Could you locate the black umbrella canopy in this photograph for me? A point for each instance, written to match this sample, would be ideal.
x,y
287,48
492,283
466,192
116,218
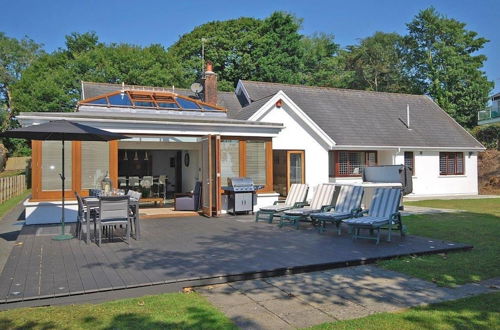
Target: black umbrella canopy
x,y
62,130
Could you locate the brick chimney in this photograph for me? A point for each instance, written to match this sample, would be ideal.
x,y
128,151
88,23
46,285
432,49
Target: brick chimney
x,y
210,84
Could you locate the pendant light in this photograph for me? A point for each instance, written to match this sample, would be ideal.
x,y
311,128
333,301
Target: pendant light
x,y
146,155
125,157
135,156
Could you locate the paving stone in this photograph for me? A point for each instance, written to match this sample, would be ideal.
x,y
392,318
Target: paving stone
x,y
304,318
254,316
282,307
345,311
227,299
268,293
249,285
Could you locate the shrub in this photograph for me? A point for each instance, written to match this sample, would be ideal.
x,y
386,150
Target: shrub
x,y
488,135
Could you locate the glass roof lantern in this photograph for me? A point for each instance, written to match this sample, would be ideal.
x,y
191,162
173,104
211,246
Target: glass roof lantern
x,y
150,100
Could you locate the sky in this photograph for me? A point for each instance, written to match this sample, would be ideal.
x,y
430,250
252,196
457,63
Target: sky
x,y
145,22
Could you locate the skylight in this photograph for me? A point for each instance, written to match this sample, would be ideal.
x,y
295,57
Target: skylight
x,y
150,100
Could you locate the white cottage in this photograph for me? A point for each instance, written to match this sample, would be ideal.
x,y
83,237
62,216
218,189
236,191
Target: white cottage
x,y
276,134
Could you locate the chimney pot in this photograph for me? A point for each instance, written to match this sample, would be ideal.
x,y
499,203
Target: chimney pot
x,y
210,84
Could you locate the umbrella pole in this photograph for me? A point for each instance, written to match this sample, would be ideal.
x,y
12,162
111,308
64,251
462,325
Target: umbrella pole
x,y
62,236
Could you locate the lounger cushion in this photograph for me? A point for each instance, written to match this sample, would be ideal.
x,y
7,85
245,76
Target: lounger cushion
x,y
367,221
331,215
276,208
301,211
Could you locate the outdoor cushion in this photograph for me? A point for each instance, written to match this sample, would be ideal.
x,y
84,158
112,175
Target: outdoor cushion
x,y
301,211
368,220
330,215
276,208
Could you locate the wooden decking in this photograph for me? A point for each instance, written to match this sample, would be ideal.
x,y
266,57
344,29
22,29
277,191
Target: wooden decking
x,y
183,249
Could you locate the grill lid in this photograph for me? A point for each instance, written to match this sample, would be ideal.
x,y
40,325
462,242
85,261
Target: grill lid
x,y
240,182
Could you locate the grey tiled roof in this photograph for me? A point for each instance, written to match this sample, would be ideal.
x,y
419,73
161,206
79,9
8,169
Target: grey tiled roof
x,y
363,118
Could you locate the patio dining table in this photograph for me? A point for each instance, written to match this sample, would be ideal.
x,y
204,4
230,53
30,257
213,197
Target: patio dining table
x,y
92,202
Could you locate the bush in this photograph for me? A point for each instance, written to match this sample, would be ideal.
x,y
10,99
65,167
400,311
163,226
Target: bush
x,y
488,135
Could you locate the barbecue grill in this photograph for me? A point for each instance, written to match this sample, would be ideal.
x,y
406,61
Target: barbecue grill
x,y
241,195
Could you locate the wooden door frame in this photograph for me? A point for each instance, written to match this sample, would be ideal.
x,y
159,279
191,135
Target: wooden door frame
x,y
206,210
288,152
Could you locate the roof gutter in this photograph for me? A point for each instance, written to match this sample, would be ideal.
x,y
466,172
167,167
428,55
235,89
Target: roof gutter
x,y
125,121
398,148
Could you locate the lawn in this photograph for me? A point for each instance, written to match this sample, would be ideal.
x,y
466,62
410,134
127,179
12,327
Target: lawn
x,y
479,226
165,311
479,312
10,203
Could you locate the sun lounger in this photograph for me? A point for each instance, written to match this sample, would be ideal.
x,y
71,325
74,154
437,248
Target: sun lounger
x,y
383,214
295,198
322,198
348,204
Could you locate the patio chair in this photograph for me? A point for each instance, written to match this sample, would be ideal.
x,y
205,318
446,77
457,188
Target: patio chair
x,y
322,198
113,211
295,198
348,204
160,186
146,184
383,214
82,219
134,213
133,182
188,201
122,182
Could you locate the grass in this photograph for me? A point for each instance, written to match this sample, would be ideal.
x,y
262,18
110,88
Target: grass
x,y
165,311
479,226
479,312
6,206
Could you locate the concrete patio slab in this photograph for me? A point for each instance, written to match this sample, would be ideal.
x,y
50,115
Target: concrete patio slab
x,y
370,290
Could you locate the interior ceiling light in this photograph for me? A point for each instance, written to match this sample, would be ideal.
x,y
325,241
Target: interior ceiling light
x,y
125,157
146,155
135,156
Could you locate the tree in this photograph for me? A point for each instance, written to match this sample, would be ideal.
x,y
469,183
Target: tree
x,y
377,63
15,57
53,82
323,62
278,53
442,59
229,45
244,48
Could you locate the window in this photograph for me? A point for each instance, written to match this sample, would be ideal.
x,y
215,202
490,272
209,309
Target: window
x,y
410,161
256,161
451,163
95,163
351,163
230,159
52,165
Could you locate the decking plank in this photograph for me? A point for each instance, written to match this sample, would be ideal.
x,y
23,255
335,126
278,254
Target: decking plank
x,y
17,287
47,288
86,276
111,273
32,284
95,268
71,267
61,286
9,269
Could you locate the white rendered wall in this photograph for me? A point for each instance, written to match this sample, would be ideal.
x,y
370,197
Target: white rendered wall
x,y
427,180
297,137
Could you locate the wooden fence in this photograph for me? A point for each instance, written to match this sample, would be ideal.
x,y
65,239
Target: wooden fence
x,y
12,186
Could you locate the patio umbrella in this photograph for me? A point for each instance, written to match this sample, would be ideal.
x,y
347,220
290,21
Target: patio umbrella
x,y
62,130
